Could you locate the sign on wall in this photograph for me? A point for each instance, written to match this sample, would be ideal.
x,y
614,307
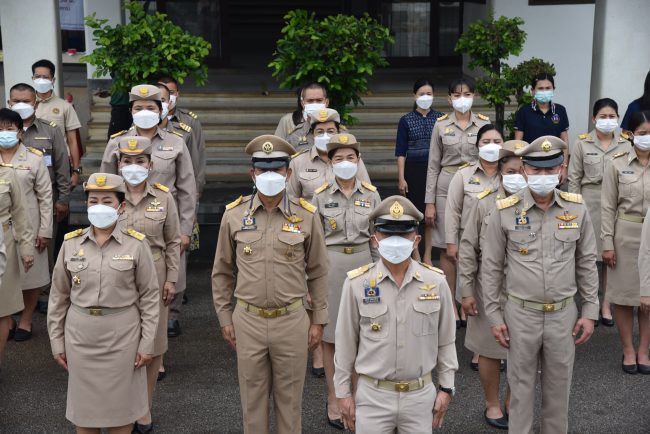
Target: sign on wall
x,y
71,13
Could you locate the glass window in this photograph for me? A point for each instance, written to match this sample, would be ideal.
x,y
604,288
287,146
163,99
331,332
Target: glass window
x,y
410,23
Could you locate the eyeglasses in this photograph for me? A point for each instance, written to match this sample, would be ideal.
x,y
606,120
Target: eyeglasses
x,y
330,131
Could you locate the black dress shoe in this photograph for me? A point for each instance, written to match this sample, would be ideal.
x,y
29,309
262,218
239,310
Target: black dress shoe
x,y
500,423
318,372
463,323
185,299
335,423
629,369
139,428
474,366
173,328
22,335
607,322
161,375
12,330
458,324
642,369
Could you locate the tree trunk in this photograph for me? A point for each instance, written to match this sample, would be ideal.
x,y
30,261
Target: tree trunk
x,y
499,109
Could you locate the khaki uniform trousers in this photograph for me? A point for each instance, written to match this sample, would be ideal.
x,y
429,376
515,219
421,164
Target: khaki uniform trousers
x,y
380,411
271,361
181,285
547,337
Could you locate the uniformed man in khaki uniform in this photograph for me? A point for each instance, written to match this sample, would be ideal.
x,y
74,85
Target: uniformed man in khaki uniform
x,y
294,127
395,326
267,243
548,241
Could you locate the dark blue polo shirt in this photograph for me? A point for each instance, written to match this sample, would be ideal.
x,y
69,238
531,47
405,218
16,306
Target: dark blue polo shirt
x,y
534,123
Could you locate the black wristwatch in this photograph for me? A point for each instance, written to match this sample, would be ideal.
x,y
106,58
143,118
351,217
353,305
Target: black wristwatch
x,y
449,391
78,170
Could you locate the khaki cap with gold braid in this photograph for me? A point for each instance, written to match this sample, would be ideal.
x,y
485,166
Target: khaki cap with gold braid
x,y
343,140
545,151
134,145
144,92
396,214
104,182
324,115
269,151
509,148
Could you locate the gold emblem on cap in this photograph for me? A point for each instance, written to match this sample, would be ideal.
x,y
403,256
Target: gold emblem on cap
x,y
133,144
344,139
396,210
144,91
267,147
322,115
519,145
100,180
546,146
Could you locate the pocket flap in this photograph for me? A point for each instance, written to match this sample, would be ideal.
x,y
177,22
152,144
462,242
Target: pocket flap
x,y
309,175
568,235
426,306
291,238
372,310
121,265
521,237
248,236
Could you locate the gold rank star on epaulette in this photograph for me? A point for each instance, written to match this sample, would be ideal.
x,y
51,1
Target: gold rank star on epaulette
x,y
507,202
118,134
35,151
321,188
583,136
571,197
135,234
432,268
353,274
443,117
184,127
368,186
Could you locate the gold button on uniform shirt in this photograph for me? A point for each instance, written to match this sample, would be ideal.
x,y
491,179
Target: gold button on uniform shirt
x,y
401,334
263,255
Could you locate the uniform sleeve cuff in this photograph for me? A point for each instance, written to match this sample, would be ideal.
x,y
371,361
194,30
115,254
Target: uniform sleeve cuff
x,y
496,319
446,378
608,243
343,391
172,276
146,346
590,311
27,251
319,316
58,346
225,318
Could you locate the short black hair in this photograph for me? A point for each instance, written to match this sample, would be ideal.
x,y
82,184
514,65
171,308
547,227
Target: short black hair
x,y
484,129
331,153
161,85
158,103
542,76
605,102
120,195
460,82
638,118
166,79
338,126
44,63
10,117
139,155
20,87
420,82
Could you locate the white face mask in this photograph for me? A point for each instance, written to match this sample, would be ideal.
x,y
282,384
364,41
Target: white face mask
x,y
134,174
395,249
312,108
165,110
424,101
462,104
146,119
23,109
489,152
102,216
513,182
322,141
606,125
642,142
543,184
172,100
345,169
42,85
270,183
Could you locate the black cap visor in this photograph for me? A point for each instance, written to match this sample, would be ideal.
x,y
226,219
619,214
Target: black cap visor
x,y
544,162
270,163
395,226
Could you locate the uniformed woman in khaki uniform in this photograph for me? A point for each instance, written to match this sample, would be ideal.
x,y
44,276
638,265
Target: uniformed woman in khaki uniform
x,y
344,207
294,127
453,143
103,314
590,153
151,210
478,337
624,206
17,230
36,188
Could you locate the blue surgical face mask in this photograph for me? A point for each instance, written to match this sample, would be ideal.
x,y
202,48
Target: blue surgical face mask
x,y
544,96
8,139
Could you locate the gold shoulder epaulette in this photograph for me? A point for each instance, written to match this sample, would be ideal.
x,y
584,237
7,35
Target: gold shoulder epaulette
x,y
185,127
443,117
6,164
299,153
507,202
432,268
73,234
322,188
177,133
482,117
53,124
484,193
368,186
625,135
35,151
161,187
619,154
234,203
135,234
464,165
307,205
352,274
118,134
193,115
583,136
571,197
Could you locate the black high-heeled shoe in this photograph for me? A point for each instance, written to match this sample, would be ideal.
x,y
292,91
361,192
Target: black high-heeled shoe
x,y
139,428
629,369
500,423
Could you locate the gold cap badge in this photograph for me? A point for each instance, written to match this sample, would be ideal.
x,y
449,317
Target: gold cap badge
x,y
546,146
144,91
396,210
519,145
343,138
267,147
100,180
133,144
322,115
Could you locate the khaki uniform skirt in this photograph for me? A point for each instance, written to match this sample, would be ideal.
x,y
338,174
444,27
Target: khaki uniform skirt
x,y
340,264
160,341
479,338
438,239
11,297
39,275
623,285
591,195
104,389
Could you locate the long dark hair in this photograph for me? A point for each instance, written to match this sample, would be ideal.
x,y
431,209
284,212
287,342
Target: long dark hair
x,y
484,129
540,77
644,101
297,114
637,118
460,82
418,84
605,102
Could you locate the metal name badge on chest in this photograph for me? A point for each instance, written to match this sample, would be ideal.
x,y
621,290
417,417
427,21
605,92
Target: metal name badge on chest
x,y
371,292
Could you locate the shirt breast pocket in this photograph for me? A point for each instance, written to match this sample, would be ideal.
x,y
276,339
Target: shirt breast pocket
x,y
165,162
154,223
593,167
309,176
249,246
565,244
362,219
290,247
425,318
121,265
78,273
374,321
333,220
629,184
522,245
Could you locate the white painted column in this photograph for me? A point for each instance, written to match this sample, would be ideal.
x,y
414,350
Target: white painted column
x,y
620,56
105,9
30,32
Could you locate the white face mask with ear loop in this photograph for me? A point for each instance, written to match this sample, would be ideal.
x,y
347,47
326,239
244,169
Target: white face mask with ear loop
x,y
395,249
270,183
102,216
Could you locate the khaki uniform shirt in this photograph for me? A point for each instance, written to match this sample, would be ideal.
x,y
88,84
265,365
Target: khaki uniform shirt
x,y
644,257
36,188
451,146
13,211
47,138
588,158
118,274
465,188
626,189
3,255
551,254
262,256
309,172
56,109
472,242
156,216
193,136
401,337
297,135
172,167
